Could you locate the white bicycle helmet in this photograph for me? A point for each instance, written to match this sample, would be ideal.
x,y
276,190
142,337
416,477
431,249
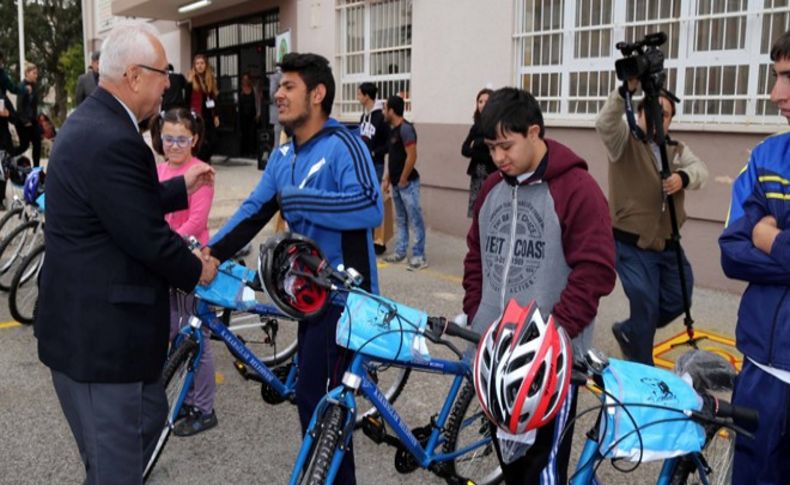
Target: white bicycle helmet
x,y
522,369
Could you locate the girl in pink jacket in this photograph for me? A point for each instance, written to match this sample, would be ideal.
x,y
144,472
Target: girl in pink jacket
x,y
177,135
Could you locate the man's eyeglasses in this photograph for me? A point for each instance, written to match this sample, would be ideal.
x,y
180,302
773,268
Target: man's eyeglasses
x,y
164,72
181,141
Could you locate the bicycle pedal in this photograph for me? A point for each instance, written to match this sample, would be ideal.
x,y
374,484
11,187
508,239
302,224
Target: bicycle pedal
x,y
268,393
373,428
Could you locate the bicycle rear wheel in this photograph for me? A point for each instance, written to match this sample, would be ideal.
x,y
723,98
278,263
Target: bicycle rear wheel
x,y
272,340
174,376
467,425
15,247
329,433
23,295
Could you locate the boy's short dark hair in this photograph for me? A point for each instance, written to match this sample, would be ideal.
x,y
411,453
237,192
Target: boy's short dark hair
x,y
781,48
395,103
314,70
369,89
510,110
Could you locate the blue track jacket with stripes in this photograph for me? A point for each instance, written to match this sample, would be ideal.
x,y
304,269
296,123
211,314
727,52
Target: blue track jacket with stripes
x,y
762,188
326,189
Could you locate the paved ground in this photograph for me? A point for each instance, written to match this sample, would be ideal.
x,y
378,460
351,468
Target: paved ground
x,y
256,442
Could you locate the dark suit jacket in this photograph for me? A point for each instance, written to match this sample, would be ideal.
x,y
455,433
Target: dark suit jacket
x,y
86,84
103,307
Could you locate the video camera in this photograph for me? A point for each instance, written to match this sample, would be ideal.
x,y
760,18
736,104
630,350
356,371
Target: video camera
x,y
643,60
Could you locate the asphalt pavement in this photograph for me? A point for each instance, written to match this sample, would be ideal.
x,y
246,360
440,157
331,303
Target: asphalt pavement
x,y
256,442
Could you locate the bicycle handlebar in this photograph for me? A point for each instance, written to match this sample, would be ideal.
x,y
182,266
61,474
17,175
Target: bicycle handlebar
x,y
724,409
440,325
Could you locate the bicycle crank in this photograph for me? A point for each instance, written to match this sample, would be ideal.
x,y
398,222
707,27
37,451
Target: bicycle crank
x,y
268,393
404,460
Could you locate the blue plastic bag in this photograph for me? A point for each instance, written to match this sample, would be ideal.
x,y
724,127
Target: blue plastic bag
x,y
228,288
632,383
379,327
40,202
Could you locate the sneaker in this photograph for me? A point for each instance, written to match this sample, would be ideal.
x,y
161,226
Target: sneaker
x,y
622,340
394,258
195,423
379,249
184,412
417,263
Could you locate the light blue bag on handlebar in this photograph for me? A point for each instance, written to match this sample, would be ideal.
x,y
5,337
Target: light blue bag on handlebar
x,y
228,288
648,393
377,326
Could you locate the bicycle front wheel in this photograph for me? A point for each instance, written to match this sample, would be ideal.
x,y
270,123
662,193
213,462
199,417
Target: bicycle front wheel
x,y
329,433
466,426
23,295
13,217
178,366
719,453
15,247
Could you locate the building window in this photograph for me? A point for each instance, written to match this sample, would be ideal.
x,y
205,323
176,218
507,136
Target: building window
x,y
373,45
717,54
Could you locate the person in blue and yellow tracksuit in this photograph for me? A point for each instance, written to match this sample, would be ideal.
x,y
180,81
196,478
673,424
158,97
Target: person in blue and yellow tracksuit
x,y
324,183
755,247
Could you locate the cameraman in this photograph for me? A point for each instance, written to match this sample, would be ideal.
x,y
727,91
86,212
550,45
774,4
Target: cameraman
x,y
646,259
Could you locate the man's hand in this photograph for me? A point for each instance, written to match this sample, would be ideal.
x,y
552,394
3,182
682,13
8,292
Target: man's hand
x,y
4,113
197,176
216,122
210,264
633,85
764,234
672,184
403,182
385,185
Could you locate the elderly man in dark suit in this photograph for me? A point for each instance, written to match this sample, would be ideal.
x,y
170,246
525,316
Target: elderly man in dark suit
x,y
88,82
103,316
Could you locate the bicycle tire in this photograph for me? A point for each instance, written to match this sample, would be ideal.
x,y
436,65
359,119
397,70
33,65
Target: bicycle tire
x,y
393,391
719,453
23,294
482,459
174,373
13,217
14,248
330,431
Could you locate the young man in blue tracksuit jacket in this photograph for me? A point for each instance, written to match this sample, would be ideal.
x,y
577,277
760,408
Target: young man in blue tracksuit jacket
x,y
324,183
755,247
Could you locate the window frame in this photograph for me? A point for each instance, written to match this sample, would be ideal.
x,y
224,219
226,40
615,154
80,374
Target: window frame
x,y
687,58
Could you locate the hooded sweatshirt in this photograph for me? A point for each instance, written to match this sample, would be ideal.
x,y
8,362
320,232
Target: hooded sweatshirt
x,y
374,130
548,239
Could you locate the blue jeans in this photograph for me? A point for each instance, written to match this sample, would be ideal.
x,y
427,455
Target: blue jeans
x,y
408,213
652,284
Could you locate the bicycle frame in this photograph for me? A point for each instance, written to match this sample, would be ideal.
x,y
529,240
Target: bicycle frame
x,y
205,316
356,378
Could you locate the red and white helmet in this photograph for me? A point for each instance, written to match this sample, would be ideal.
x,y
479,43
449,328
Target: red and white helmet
x,y
522,369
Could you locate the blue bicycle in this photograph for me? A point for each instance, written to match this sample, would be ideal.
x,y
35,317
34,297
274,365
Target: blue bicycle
x,y
456,445
234,289
646,411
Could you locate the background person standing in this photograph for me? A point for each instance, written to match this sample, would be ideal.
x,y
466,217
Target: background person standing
x,y
201,95
27,115
480,164
404,180
88,82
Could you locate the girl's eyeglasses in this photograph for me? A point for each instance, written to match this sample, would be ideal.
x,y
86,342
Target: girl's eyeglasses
x,y
180,141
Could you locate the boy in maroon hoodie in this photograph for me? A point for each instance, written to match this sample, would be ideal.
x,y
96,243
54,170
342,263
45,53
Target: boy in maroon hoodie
x,y
540,231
